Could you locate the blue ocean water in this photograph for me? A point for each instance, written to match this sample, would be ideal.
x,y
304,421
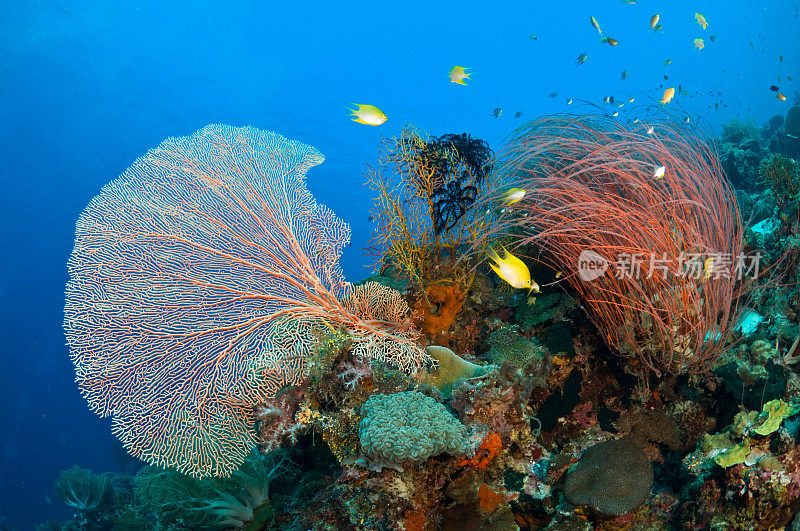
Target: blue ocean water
x,y
86,87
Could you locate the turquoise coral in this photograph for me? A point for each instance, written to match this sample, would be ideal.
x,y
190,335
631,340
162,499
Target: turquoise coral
x,y
409,427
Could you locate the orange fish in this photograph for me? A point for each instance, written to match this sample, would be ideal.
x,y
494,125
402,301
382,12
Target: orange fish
x,y
668,94
780,96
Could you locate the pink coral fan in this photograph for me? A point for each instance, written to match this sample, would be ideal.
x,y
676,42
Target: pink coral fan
x,y
196,281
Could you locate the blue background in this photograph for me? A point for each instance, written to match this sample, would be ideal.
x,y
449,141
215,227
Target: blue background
x,y
86,87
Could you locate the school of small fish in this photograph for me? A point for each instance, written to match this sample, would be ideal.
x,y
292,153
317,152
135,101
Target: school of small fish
x,y
372,115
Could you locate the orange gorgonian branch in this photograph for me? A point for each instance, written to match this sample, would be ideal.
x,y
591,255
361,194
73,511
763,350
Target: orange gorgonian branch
x,y
405,181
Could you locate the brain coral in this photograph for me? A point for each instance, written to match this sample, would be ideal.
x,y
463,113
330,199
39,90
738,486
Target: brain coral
x,y
196,281
409,427
613,477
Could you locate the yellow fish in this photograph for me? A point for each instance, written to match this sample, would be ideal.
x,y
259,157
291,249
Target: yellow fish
x,y
514,195
654,20
513,270
701,20
780,96
668,94
699,44
458,74
368,114
596,25
708,268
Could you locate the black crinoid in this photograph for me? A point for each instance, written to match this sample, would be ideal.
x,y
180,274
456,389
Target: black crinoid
x,y
462,163
451,202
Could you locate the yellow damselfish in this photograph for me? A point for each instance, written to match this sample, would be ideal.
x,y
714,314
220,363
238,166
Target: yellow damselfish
x,y
708,267
595,25
513,270
458,74
368,114
513,195
701,20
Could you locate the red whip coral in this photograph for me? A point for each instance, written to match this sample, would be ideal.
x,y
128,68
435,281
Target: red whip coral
x,y
669,242
196,280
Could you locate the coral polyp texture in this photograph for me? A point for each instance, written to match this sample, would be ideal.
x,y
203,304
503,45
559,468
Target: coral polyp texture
x,y
197,281
409,427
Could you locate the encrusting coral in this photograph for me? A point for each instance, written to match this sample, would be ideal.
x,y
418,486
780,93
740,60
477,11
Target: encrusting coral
x,y
439,307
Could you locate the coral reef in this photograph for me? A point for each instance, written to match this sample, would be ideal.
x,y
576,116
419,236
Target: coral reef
x,y
523,415
426,188
783,177
178,500
787,142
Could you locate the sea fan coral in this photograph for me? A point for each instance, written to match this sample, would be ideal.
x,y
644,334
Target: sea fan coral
x,y
654,257
197,281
